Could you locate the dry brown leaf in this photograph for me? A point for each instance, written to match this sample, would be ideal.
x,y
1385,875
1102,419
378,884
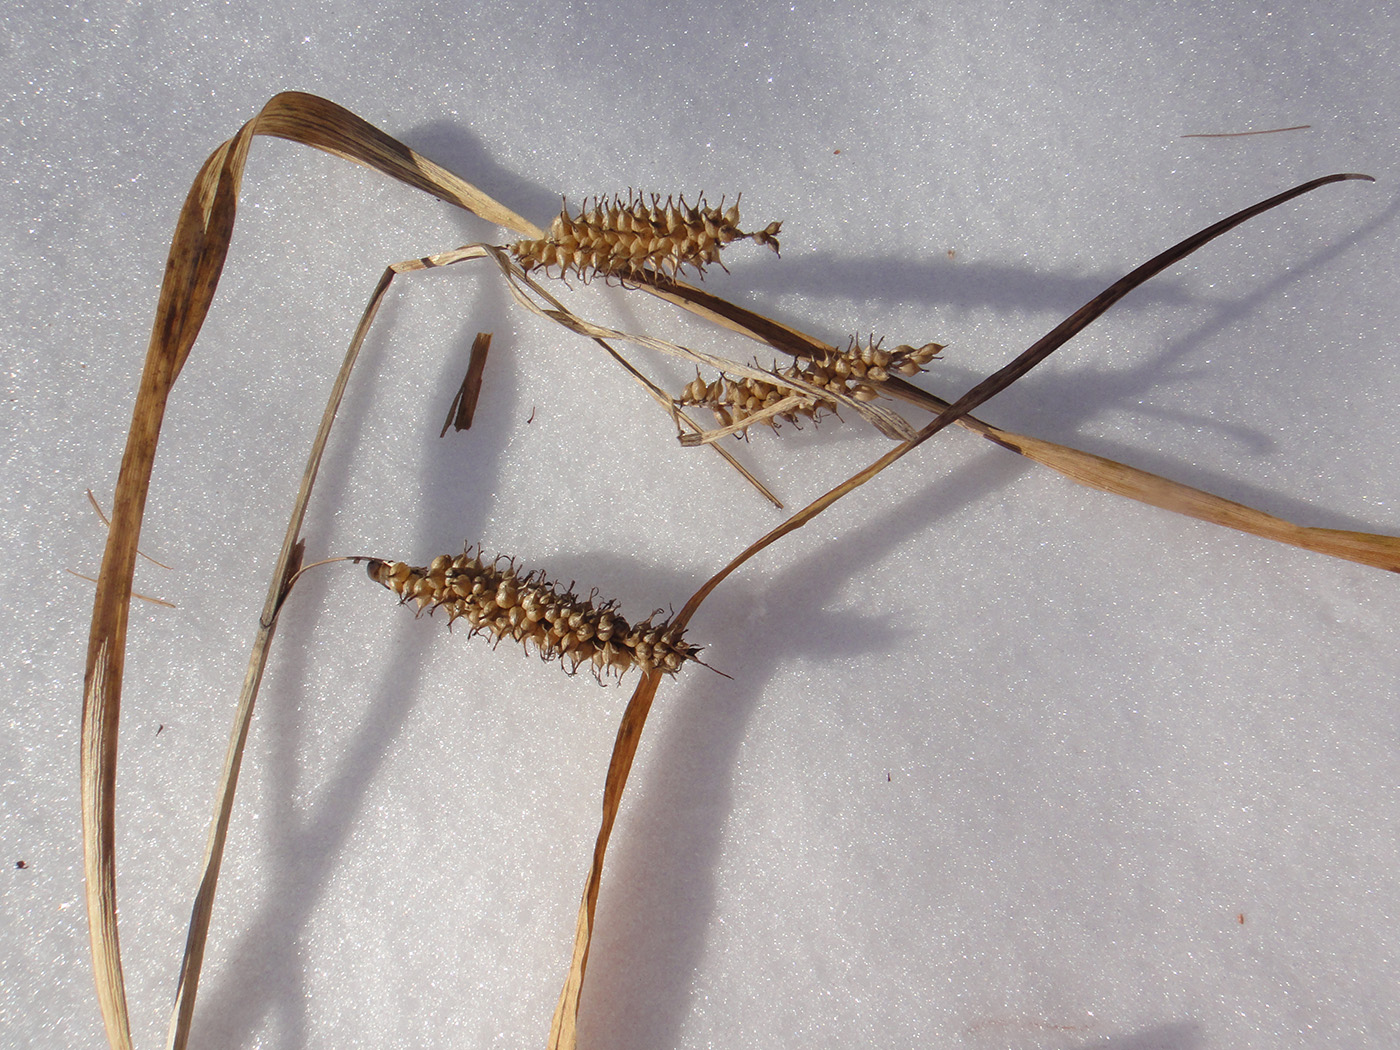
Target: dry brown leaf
x,y
196,259
1120,479
1085,468
563,1032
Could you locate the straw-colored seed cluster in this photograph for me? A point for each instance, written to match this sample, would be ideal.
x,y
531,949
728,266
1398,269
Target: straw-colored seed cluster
x,y
859,365
852,372
496,599
734,401
628,238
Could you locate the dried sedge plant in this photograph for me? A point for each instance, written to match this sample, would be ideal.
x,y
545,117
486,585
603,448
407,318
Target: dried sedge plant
x,y
640,243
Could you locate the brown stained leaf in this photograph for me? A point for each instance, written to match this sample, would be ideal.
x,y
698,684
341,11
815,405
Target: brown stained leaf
x,y
196,259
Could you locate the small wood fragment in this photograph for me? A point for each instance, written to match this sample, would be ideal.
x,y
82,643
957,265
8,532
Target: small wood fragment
x,y
463,409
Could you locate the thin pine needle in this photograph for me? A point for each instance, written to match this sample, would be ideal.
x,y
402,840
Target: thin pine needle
x,y
1246,134
97,508
134,594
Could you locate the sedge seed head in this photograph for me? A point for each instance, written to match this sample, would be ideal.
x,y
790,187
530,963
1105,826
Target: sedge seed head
x,y
855,372
638,237
498,600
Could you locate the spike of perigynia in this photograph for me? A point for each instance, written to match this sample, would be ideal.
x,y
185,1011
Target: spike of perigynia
x,y
496,599
634,238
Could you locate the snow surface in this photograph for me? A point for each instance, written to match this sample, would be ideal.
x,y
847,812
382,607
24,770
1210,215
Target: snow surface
x,y
1003,762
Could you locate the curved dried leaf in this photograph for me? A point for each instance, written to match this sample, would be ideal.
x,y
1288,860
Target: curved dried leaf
x,y
563,1031
196,259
